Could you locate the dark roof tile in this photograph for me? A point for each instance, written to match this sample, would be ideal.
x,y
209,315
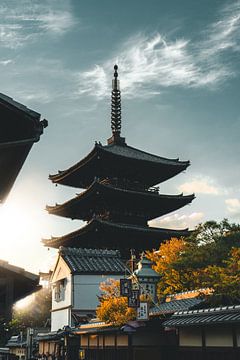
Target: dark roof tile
x,y
93,260
220,315
175,305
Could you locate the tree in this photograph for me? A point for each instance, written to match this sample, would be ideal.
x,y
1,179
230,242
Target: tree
x,y
114,308
36,313
167,255
209,257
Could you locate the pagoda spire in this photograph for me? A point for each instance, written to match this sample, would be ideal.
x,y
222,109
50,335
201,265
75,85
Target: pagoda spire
x,y
116,118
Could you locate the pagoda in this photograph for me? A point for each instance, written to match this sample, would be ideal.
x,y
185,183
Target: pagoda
x,y
120,194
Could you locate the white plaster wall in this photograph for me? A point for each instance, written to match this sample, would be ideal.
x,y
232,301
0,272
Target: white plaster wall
x,y
238,336
59,319
219,336
67,295
86,289
190,336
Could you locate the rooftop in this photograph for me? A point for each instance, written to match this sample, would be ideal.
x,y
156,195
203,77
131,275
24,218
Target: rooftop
x,y
212,316
93,260
4,265
105,234
152,204
20,128
175,305
93,165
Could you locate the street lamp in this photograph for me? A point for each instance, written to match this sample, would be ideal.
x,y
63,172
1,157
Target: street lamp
x,y
147,278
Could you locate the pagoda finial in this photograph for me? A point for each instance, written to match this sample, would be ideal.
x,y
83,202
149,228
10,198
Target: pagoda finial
x,y
116,105
116,120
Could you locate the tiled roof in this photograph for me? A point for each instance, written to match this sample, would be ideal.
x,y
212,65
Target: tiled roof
x,y
53,335
109,234
152,204
17,105
220,315
20,128
175,305
18,271
131,152
148,168
16,341
93,260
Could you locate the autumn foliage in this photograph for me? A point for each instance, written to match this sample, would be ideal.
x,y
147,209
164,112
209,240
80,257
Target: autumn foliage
x,y
209,258
114,308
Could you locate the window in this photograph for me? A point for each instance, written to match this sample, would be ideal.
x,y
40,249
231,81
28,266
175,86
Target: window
x,y
59,290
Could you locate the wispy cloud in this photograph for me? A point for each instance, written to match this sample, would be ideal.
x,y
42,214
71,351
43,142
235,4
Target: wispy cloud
x,y
233,206
150,63
177,221
6,62
201,185
24,21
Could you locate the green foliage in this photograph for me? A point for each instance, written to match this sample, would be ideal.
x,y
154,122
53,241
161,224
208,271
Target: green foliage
x,y
35,314
210,244
208,258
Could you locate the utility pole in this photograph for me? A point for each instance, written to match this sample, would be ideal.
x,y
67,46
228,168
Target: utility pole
x,y
30,332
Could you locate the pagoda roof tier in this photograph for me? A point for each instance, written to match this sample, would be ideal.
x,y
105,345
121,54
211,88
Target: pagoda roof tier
x,y
104,234
109,197
119,161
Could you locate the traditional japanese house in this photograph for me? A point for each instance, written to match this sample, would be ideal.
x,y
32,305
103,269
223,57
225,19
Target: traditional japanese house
x,y
21,127
211,333
75,283
120,195
135,340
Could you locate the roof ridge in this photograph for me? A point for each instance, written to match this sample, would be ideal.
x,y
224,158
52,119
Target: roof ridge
x,y
208,310
176,160
83,252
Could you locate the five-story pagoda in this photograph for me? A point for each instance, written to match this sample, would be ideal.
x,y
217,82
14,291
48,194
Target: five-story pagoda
x,y
120,196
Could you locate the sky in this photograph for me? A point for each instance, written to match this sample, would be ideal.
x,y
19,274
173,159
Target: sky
x,y
179,74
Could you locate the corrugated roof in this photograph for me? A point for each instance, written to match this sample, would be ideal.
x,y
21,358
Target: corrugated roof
x,y
220,315
93,260
175,305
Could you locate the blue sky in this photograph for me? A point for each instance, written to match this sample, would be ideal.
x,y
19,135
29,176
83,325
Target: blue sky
x,y
179,72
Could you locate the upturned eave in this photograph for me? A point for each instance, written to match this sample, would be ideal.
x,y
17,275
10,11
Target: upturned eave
x,y
119,160
152,204
104,234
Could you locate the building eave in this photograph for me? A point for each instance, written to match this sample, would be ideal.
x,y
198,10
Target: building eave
x,y
20,131
98,233
152,203
81,174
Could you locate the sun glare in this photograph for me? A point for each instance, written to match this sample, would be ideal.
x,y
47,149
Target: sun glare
x,y
20,230
23,303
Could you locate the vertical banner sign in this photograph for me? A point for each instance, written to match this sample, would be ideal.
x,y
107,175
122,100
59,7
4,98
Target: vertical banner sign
x,y
125,287
143,311
133,299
